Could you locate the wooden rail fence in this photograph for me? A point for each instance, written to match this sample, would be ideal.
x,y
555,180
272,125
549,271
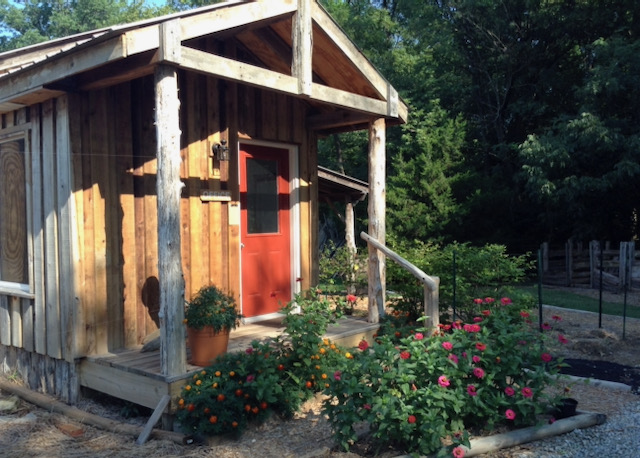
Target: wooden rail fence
x,y
584,265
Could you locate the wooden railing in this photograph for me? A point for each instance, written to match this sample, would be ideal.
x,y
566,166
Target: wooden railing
x,y
431,284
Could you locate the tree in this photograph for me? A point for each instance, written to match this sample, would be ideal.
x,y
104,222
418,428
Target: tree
x,y
30,21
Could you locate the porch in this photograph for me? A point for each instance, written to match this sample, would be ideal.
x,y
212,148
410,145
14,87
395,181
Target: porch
x,y
137,377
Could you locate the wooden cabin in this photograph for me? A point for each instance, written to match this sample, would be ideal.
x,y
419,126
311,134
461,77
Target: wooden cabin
x,y
141,162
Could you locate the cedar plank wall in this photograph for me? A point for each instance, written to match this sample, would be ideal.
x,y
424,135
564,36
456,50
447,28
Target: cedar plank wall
x,y
36,338
116,167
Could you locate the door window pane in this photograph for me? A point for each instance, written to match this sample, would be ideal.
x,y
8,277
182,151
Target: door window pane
x,y
262,196
13,213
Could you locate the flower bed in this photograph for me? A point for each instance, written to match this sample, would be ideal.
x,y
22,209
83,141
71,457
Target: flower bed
x,y
424,391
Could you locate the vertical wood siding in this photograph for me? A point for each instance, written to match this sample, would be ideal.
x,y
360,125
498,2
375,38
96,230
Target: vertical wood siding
x,y
94,206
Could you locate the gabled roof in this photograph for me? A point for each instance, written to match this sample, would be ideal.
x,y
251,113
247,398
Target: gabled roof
x,y
275,51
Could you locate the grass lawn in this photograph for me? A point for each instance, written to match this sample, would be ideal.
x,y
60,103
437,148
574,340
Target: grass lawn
x,y
571,300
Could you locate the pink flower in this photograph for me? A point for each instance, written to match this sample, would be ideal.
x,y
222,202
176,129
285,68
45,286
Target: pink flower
x,y
363,345
405,355
443,381
524,314
509,391
527,392
480,346
546,357
486,312
510,414
411,419
453,358
367,407
546,326
337,375
505,301
556,318
351,298
249,350
447,346
471,390
489,300
477,319
419,336
476,359
478,372
562,339
472,327
457,325
458,452
477,301
250,378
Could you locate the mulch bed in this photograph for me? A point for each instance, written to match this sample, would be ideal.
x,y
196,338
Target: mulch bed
x,y
604,370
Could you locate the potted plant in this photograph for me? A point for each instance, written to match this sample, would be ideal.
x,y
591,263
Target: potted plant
x,y
210,316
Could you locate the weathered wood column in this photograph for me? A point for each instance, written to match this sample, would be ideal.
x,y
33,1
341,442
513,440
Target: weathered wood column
x,y
377,228
172,334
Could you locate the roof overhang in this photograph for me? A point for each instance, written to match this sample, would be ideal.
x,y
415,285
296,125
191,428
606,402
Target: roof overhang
x,y
333,75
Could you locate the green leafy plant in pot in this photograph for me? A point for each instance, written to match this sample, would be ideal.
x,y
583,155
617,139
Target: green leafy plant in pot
x,y
210,316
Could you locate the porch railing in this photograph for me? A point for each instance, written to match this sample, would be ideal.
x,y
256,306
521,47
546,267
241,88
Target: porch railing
x,y
431,284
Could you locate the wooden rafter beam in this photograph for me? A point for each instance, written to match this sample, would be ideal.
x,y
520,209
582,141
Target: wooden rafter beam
x,y
252,75
302,38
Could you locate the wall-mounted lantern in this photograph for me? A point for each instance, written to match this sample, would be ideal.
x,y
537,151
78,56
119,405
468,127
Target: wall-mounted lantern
x,y
221,151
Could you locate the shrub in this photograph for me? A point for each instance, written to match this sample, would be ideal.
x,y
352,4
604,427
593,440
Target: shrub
x,y
212,307
416,390
277,376
341,270
480,272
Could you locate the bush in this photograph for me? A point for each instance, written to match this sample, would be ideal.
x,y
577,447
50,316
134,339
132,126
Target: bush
x,y
277,376
416,390
480,272
341,270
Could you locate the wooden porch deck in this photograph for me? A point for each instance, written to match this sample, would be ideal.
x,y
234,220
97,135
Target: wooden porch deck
x,y
136,377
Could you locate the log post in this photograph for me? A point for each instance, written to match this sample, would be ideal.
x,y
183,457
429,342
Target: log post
x,y
302,38
350,240
377,206
172,333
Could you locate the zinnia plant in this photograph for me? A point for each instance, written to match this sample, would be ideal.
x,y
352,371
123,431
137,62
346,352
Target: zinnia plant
x,y
417,394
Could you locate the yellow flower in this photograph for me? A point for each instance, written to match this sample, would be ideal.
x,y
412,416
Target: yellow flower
x,y
217,374
215,385
232,374
323,351
348,355
325,341
324,376
187,388
199,382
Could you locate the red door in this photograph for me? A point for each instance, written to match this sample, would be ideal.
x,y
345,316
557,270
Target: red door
x,y
265,229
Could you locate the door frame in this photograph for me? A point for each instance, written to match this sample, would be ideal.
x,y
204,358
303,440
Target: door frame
x,y
294,220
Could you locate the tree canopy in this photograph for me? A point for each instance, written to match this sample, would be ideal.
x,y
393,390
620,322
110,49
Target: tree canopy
x,y
523,121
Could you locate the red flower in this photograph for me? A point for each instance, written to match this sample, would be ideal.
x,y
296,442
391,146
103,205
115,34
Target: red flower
x,y
556,318
363,345
489,300
419,336
480,346
546,326
458,452
367,407
486,312
337,375
546,357
351,298
477,319
527,392
505,301
510,414
509,391
524,314
405,355
475,359
477,301
411,419
562,339
471,390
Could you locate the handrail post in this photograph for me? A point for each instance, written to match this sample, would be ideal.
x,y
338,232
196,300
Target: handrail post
x,y
432,305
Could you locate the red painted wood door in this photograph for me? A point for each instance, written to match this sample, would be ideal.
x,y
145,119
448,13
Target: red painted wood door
x,y
265,229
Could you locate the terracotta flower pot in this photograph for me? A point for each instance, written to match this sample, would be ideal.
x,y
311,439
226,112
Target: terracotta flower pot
x,y
206,344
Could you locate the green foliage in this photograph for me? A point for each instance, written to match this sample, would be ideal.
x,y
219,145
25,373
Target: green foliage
x,y
212,307
416,390
34,21
480,271
277,376
341,269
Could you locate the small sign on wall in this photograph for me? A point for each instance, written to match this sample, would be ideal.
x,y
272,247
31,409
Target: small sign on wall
x,y
234,214
215,196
